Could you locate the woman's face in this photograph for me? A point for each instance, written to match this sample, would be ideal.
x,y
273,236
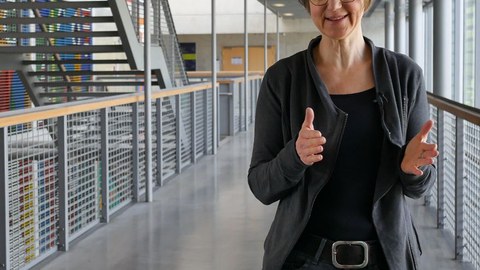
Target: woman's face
x,y
338,20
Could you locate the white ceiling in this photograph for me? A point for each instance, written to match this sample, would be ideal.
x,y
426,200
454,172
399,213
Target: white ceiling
x,y
290,6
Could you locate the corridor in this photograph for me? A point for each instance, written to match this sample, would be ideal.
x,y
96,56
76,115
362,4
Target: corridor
x,y
207,219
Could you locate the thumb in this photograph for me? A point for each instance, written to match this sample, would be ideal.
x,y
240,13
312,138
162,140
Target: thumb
x,y
425,130
309,116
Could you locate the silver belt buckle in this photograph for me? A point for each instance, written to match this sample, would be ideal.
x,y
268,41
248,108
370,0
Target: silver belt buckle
x,y
350,243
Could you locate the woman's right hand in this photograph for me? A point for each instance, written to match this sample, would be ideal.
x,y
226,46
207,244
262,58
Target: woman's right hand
x,y
309,144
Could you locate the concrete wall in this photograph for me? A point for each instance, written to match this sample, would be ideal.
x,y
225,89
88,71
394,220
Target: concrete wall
x,y
194,16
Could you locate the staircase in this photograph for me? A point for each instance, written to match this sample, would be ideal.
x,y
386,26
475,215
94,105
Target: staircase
x,y
58,62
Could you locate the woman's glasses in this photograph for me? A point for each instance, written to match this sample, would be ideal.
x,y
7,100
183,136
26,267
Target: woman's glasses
x,y
324,2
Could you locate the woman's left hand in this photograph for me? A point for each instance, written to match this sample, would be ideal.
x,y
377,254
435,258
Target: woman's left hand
x,y
419,153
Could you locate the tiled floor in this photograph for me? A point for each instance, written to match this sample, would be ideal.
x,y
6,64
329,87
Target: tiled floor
x,y
206,219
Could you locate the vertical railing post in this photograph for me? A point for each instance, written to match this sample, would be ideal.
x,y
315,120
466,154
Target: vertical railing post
x,y
105,166
441,216
178,135
459,190
193,122
159,143
136,152
250,103
231,107
241,105
205,119
4,224
253,97
63,228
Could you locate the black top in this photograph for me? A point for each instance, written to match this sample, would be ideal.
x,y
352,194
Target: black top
x,y
343,209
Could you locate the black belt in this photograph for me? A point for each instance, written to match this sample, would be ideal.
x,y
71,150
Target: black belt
x,y
342,254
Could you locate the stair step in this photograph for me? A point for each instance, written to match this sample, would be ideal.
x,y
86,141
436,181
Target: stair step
x,y
90,83
58,34
51,5
87,72
76,61
53,20
62,49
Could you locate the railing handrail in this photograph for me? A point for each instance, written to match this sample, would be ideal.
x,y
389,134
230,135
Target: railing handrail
x,y
50,111
460,110
222,74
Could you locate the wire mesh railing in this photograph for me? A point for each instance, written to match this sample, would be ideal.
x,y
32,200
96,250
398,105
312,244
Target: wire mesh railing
x,y
69,168
456,195
31,185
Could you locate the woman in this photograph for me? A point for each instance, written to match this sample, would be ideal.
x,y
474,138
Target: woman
x,y
340,140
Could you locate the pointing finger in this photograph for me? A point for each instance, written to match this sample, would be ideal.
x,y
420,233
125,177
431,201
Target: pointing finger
x,y
427,127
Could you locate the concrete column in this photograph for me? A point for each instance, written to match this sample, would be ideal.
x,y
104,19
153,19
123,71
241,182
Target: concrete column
x,y
416,26
477,55
214,80
442,48
389,26
265,35
246,83
459,51
148,103
278,36
400,26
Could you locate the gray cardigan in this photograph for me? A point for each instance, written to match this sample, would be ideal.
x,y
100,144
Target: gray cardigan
x,y
277,174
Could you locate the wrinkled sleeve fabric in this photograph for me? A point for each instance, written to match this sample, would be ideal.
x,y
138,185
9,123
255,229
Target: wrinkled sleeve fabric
x,y
275,167
417,186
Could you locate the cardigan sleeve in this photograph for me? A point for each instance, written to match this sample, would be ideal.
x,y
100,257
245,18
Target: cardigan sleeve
x,y
417,186
275,167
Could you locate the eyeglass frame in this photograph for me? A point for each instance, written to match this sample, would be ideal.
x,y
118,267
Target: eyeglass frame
x,y
326,2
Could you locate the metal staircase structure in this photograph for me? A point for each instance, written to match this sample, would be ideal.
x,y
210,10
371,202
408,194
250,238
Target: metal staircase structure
x,y
47,57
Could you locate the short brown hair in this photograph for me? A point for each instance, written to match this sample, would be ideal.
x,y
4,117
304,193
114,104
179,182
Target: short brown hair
x,y
306,4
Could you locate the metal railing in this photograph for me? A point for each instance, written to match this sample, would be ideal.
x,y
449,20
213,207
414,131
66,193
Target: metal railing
x,y
163,34
67,168
456,194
